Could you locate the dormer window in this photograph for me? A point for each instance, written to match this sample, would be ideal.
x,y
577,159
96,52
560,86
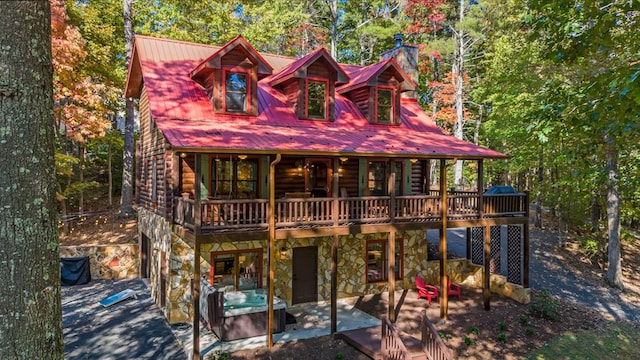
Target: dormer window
x,y
236,90
384,105
317,94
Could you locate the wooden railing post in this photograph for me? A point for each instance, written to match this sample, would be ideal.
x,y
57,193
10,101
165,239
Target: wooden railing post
x,y
334,248
195,297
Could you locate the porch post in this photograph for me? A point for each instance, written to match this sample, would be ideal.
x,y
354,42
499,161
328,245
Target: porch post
x,y
195,298
444,209
486,290
426,176
272,246
391,243
334,249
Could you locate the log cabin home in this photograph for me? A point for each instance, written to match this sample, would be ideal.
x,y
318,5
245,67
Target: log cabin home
x,y
303,176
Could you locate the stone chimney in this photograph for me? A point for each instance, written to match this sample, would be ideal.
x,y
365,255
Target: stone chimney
x,y
407,57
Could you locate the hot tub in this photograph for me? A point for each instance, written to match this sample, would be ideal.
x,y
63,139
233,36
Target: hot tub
x,y
239,314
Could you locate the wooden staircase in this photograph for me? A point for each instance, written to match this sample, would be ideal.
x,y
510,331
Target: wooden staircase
x,y
385,342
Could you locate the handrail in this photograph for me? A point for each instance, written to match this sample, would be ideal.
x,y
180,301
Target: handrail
x,y
391,345
432,344
238,214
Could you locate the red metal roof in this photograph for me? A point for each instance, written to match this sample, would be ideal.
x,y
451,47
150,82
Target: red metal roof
x,y
298,64
181,109
361,75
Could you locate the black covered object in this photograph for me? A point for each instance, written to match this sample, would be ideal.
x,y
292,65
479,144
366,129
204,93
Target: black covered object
x,y
75,271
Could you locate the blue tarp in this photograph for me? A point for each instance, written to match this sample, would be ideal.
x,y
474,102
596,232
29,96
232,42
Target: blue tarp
x,y
75,271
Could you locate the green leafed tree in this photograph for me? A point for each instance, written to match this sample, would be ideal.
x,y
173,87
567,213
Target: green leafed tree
x,y
30,315
597,42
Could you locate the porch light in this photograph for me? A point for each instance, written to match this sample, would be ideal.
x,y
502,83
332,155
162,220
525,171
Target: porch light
x,y
344,159
242,157
300,168
283,252
183,155
413,161
340,171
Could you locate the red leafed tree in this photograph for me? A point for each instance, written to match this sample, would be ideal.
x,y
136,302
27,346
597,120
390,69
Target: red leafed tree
x,y
443,94
79,106
420,10
79,102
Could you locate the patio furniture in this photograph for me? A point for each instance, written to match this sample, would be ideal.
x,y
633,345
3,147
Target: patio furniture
x,y
426,291
453,289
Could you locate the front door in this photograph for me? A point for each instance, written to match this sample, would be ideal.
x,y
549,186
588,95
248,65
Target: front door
x,y
305,275
318,181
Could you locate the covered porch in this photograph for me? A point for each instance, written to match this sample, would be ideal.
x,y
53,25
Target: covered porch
x,y
205,221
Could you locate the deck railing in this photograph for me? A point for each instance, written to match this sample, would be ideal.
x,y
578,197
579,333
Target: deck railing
x,y
238,214
432,344
391,345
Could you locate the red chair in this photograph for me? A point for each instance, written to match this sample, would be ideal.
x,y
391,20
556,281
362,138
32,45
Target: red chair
x,y
453,289
426,291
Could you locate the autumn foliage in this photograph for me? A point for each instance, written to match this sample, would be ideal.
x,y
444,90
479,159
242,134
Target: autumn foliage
x,y
419,10
79,107
443,97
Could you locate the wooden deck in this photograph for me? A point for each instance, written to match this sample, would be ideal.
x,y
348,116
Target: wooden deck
x,y
367,341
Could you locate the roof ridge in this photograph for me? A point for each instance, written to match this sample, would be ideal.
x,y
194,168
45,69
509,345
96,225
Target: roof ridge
x,y
176,41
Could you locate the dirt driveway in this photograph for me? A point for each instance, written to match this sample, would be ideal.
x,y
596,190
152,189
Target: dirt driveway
x,y
131,329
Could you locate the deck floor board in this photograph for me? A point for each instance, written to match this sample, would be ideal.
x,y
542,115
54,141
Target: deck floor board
x,y
367,341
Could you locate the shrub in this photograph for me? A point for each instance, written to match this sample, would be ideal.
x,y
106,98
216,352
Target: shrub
x,y
591,247
502,325
468,341
475,331
219,355
339,356
502,337
524,320
529,331
544,305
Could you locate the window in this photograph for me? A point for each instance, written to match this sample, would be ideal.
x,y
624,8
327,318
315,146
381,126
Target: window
x,y
154,181
384,109
234,178
240,269
316,99
236,91
378,177
377,260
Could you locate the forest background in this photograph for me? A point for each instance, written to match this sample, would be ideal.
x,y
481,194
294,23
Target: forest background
x,y
554,84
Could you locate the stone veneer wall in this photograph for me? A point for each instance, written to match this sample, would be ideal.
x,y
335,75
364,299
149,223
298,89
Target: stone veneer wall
x,y
108,261
464,272
178,262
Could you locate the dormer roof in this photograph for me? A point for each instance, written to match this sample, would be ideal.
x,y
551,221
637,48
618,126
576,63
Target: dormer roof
x,y
368,76
298,68
214,61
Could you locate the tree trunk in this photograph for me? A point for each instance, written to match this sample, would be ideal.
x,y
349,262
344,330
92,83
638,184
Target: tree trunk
x,y
126,199
30,314
334,28
459,87
81,177
538,219
614,269
110,171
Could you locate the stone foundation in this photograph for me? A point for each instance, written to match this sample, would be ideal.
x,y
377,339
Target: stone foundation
x,y
108,261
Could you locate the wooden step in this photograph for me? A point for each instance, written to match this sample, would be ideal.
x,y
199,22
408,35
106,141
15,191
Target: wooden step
x,y
367,341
